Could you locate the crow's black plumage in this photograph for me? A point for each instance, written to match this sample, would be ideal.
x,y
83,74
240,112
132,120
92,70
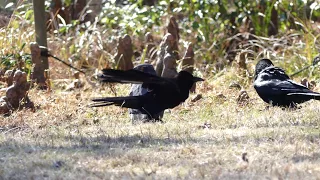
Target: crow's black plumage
x,y
164,93
274,86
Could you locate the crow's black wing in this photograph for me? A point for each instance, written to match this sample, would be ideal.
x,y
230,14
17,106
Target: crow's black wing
x,y
300,90
129,76
137,77
275,81
291,87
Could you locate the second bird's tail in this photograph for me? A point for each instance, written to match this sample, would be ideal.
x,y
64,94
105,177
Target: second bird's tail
x,y
311,95
133,102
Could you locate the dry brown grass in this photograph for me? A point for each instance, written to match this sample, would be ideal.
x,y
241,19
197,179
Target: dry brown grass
x,y
65,139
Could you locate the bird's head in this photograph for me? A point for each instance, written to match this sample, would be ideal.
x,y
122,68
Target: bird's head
x,y
262,64
187,79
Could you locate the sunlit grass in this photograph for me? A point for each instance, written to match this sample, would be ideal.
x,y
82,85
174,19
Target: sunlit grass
x,y
65,138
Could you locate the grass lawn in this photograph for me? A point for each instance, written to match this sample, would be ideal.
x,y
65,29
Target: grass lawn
x,y
65,139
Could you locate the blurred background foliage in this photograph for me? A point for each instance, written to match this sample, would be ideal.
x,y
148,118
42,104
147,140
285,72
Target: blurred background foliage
x,y
86,34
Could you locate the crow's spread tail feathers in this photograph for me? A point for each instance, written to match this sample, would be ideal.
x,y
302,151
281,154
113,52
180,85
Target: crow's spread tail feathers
x,y
133,102
129,76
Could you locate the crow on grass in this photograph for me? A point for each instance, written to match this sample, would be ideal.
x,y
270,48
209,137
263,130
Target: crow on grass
x,y
164,93
275,87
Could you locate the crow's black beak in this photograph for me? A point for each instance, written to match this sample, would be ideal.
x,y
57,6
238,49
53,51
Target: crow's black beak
x,y
196,79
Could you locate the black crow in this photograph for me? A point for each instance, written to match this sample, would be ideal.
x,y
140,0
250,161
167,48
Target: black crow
x,y
275,87
164,93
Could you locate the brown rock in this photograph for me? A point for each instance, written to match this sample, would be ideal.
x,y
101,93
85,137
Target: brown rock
x,y
169,66
4,108
166,62
123,58
16,94
76,75
8,77
188,63
206,125
169,52
221,96
235,85
151,51
243,97
75,84
310,85
173,29
196,98
188,59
